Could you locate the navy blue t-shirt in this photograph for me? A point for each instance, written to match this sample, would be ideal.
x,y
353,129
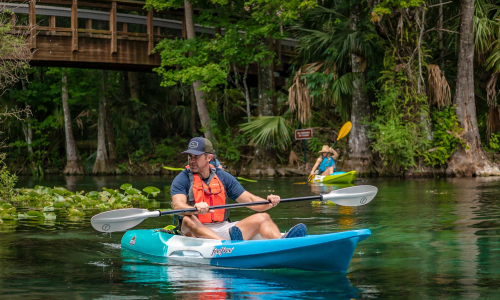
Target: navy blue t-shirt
x,y
233,188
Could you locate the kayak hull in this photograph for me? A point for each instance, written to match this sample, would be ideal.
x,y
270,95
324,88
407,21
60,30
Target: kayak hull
x,y
345,177
325,252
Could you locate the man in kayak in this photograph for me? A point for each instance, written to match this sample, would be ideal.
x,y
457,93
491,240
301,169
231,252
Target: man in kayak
x,y
325,164
202,186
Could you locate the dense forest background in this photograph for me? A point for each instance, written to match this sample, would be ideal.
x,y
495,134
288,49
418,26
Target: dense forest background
x,y
418,80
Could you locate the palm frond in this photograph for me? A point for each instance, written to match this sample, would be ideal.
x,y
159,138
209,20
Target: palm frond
x,y
268,130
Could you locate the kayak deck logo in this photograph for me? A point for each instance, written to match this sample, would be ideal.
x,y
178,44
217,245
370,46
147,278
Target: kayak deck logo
x,y
221,251
132,241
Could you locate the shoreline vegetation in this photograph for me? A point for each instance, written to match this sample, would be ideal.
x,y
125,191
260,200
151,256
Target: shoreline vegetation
x,y
417,80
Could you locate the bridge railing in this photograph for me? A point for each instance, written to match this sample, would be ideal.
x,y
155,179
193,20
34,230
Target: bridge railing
x,y
77,19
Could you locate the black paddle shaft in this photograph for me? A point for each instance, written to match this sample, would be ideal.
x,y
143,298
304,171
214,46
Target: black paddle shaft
x,y
235,205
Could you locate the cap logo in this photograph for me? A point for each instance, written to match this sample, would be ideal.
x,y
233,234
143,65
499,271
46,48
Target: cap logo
x,y
193,144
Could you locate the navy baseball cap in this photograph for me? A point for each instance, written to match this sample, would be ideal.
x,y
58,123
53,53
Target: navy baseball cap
x,y
199,145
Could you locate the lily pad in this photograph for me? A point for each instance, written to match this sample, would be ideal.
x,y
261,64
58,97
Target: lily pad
x,y
6,217
132,191
151,190
33,214
34,194
74,212
111,191
48,208
49,216
125,186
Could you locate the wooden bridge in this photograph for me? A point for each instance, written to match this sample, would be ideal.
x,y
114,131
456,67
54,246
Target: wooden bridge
x,y
104,34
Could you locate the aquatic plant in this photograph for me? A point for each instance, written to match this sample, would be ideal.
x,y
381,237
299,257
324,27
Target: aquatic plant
x,y
46,203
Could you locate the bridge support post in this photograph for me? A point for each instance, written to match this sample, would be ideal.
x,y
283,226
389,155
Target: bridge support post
x,y
32,23
74,25
112,27
88,26
52,24
151,34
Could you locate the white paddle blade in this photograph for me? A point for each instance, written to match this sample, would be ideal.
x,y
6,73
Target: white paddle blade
x,y
121,219
352,196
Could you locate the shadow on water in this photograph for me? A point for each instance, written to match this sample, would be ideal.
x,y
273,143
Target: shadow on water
x,y
207,282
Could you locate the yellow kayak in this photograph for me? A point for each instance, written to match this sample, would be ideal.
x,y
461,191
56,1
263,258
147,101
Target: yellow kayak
x,y
336,177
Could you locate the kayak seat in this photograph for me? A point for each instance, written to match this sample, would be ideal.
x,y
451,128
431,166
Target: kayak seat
x,y
298,230
235,234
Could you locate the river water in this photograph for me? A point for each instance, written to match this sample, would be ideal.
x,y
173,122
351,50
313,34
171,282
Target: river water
x,y
431,239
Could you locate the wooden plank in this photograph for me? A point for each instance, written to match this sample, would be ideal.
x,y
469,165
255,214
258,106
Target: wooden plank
x,y
125,27
32,24
52,24
88,26
112,27
54,30
151,37
95,31
74,25
93,51
121,5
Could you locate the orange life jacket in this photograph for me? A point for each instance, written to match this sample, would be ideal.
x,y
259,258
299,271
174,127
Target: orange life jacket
x,y
213,194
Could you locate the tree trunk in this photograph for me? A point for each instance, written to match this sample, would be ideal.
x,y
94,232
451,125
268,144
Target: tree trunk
x,y
200,95
265,85
133,85
193,112
28,131
469,160
264,157
110,137
101,165
73,163
440,35
359,157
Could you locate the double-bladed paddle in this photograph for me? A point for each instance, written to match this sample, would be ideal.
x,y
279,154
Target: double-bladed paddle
x,y
123,219
182,169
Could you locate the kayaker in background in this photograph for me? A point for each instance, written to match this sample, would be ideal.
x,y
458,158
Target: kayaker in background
x,y
325,164
201,186
215,162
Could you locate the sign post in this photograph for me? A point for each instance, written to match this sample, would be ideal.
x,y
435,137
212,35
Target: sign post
x,y
303,134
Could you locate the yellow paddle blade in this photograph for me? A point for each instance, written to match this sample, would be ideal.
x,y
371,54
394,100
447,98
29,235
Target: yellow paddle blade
x,y
174,169
344,130
310,178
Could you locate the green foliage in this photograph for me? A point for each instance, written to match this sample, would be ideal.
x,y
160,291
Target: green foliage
x,y
7,183
268,130
446,136
199,65
43,201
228,145
388,6
398,131
495,142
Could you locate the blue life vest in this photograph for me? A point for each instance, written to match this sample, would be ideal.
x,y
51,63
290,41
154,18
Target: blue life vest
x,y
327,163
215,162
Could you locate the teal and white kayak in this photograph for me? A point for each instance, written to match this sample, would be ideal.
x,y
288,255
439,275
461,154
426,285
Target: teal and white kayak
x,y
322,252
336,177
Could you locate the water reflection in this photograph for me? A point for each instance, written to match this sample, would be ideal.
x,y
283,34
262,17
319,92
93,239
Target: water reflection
x,y
204,282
